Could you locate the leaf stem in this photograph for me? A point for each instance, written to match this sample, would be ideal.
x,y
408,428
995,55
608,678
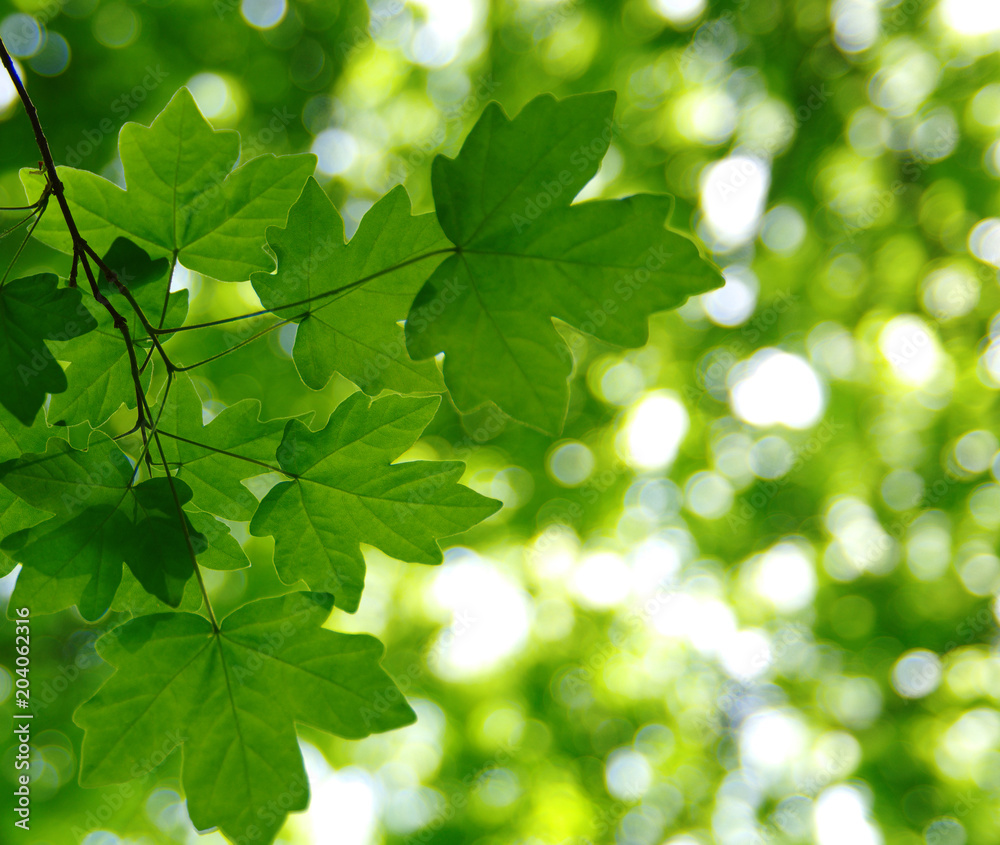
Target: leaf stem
x,y
19,223
183,519
228,454
20,249
320,296
112,277
240,345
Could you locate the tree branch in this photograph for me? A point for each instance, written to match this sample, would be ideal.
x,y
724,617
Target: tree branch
x,y
81,248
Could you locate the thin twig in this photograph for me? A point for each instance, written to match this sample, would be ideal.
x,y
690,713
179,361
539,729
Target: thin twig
x,y
112,277
19,223
20,249
83,253
80,245
184,525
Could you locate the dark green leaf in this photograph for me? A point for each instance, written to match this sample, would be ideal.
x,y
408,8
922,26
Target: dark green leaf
x,y
32,311
100,521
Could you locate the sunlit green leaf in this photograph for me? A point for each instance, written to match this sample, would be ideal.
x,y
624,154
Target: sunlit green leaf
x,y
354,332
345,491
231,698
183,197
527,255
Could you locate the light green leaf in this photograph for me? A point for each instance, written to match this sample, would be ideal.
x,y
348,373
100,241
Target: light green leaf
x,y
183,197
32,311
511,168
528,256
356,332
217,547
15,439
346,491
231,698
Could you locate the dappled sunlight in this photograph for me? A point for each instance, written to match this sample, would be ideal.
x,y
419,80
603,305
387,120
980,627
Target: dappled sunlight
x,y
970,17
776,388
653,432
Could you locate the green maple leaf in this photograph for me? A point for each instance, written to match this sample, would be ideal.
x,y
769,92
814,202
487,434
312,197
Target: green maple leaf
x,y
346,491
215,459
34,310
485,281
183,196
356,332
216,547
231,698
526,255
100,521
131,598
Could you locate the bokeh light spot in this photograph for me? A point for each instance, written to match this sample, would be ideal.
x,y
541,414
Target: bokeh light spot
x,y
776,388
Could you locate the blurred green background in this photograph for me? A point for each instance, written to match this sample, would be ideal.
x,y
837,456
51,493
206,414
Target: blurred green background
x,y
749,597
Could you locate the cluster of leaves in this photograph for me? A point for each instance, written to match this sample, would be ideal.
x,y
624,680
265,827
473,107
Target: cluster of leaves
x,y
103,518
